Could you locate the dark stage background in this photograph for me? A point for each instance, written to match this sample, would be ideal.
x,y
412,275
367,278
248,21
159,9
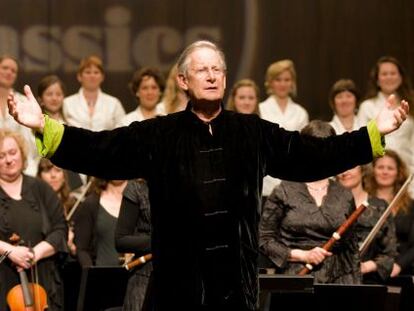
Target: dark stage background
x,y
327,39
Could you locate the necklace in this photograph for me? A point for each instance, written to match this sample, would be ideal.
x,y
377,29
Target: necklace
x,y
318,188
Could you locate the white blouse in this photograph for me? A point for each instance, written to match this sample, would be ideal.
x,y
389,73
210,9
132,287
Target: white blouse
x,y
136,115
294,118
107,115
339,127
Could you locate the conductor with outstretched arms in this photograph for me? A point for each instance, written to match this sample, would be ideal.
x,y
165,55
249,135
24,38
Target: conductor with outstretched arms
x,y
204,168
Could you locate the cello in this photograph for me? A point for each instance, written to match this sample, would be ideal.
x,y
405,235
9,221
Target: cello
x,y
26,296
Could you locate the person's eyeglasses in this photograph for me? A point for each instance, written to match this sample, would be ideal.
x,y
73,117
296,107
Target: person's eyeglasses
x,y
205,71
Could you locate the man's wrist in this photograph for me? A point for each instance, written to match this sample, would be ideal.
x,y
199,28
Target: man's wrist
x,y
377,140
42,124
49,140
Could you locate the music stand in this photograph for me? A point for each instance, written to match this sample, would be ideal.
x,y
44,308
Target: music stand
x,y
284,290
102,288
282,283
359,297
406,282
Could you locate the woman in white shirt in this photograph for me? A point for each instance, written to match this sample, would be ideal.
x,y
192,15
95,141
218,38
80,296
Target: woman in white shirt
x,y
147,86
91,108
389,77
343,99
279,107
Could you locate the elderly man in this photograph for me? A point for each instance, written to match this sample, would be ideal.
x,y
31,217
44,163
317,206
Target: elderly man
x,y
204,168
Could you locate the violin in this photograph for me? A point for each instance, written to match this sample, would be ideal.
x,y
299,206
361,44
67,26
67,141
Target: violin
x,y
370,237
26,296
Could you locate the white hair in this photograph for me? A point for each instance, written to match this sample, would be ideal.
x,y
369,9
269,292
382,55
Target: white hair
x,y
184,59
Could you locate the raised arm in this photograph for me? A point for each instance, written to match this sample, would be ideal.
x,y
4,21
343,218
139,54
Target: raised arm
x,y
28,112
123,153
291,156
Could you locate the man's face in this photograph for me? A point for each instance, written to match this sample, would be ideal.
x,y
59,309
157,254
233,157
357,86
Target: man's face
x,y
205,79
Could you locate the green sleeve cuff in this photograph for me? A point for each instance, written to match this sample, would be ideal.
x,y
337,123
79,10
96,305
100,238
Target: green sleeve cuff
x,y
377,140
48,142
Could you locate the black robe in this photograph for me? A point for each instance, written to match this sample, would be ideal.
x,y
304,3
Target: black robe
x,y
205,193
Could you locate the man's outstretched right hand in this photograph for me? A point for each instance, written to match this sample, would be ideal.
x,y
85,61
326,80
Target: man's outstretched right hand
x,y
26,112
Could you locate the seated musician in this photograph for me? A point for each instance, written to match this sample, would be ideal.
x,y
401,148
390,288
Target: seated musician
x,y
299,218
95,222
388,175
378,259
29,210
133,235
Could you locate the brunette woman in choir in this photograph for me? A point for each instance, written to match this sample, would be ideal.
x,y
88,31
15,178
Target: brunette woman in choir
x,y
377,262
133,235
90,107
344,100
388,76
147,85
58,180
244,97
95,222
50,93
29,208
388,175
298,218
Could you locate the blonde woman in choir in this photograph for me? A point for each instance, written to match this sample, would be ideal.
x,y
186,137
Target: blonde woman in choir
x,y
344,99
174,98
8,74
244,97
90,107
279,107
